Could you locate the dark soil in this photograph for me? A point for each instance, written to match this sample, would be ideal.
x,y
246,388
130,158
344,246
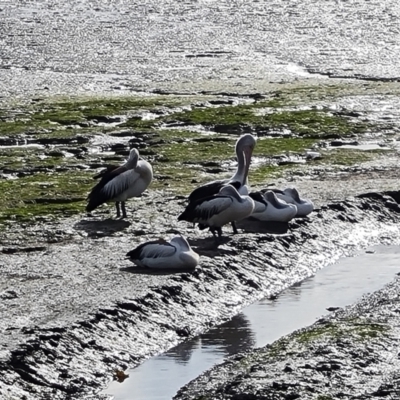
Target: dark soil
x,y
75,311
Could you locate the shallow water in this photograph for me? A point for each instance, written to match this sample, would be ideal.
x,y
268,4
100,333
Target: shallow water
x,y
338,285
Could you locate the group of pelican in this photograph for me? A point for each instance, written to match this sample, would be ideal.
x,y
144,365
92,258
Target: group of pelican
x,y
212,205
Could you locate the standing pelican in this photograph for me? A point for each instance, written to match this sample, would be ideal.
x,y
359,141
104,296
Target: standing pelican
x,y
217,210
292,196
244,149
120,184
176,253
269,208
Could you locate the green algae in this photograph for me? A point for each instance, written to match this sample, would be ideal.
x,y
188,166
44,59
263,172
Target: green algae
x,y
355,328
276,146
346,157
182,159
309,123
58,194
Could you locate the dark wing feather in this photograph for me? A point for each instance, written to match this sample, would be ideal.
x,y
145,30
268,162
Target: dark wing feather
x,y
106,170
97,197
211,189
202,210
277,191
257,196
152,249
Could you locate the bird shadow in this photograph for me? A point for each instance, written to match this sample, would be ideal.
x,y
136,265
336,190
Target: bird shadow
x,y
253,225
154,271
96,228
210,247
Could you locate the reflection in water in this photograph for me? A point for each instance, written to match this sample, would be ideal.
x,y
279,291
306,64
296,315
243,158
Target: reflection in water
x,y
182,353
233,336
229,338
159,378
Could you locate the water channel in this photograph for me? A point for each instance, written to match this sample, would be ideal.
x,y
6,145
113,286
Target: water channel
x,y
338,285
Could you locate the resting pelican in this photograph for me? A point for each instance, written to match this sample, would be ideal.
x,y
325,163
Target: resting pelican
x,y
217,210
244,149
121,183
176,253
292,196
269,208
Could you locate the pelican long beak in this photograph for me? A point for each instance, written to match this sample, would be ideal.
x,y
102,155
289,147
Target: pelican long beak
x,y
247,151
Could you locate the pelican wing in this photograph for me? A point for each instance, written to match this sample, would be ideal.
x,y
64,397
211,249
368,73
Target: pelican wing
x,y
108,187
209,189
106,176
212,188
120,184
203,210
258,196
107,170
153,249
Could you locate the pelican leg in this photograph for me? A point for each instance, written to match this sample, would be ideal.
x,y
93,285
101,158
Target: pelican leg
x,y
123,209
118,210
235,231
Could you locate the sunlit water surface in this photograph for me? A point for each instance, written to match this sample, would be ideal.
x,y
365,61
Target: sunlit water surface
x,y
338,285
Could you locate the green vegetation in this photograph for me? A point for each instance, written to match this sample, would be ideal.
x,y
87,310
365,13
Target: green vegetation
x,y
358,329
276,146
59,194
182,159
342,157
43,116
308,123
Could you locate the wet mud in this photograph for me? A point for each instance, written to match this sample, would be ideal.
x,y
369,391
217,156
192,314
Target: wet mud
x,y
350,354
220,46
74,313
58,343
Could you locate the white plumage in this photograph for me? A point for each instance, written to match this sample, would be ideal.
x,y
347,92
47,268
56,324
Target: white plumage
x,y
244,150
218,210
292,196
269,208
119,184
161,254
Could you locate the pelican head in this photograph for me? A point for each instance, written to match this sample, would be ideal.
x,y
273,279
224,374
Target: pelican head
x,y
244,150
133,158
293,193
181,241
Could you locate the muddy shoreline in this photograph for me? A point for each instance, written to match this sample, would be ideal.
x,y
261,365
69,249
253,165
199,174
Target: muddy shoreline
x,y
350,354
69,345
73,311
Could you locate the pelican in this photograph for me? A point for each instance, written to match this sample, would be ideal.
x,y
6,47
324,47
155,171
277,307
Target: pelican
x,y
176,253
269,208
217,210
292,196
244,149
121,183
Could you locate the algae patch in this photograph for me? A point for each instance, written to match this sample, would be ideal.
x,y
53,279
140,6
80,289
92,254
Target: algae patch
x,y
64,131
59,194
355,329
